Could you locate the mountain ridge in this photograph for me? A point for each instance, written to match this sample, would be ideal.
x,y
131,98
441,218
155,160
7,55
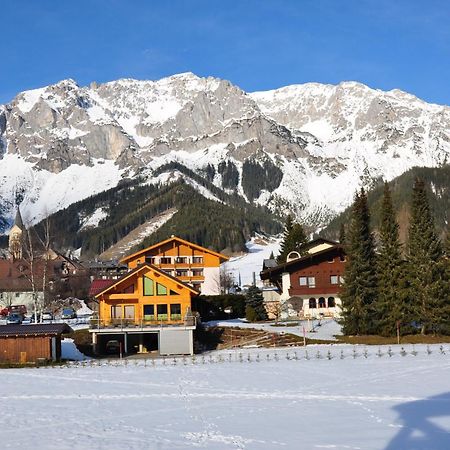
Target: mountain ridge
x,y
62,143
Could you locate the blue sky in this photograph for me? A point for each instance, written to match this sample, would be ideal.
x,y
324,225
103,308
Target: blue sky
x,y
256,44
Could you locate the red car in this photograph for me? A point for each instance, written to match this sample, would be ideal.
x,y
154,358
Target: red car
x,y
16,309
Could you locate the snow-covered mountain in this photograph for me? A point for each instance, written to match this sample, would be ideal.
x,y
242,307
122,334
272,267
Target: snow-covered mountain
x,y
302,148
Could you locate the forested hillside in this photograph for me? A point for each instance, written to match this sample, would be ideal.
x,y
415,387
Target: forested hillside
x,y
437,182
223,222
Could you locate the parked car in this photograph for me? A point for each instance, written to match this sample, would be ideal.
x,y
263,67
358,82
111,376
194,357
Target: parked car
x,y
113,346
47,316
68,313
14,318
18,309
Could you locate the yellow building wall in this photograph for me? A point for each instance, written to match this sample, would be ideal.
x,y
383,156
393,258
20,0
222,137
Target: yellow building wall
x,y
137,299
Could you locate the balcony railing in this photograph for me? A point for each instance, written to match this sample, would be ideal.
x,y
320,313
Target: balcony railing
x,y
130,324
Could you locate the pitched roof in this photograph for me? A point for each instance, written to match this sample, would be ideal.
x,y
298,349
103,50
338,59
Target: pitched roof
x,y
15,276
99,286
34,329
140,268
173,238
304,260
18,221
317,241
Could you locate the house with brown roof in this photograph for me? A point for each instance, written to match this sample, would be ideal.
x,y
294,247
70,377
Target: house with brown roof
x,y
310,285
188,262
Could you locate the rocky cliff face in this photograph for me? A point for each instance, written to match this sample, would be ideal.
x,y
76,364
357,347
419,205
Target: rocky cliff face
x,y
64,142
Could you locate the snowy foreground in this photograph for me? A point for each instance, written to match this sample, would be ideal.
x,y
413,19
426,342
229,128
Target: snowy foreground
x,y
277,400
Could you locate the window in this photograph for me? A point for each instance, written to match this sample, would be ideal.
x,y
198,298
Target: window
x,y
342,258
307,281
165,260
181,273
197,272
149,312
150,260
175,311
322,303
330,259
116,312
129,312
331,302
334,279
312,303
173,293
162,312
149,288
197,259
181,260
341,279
17,294
160,289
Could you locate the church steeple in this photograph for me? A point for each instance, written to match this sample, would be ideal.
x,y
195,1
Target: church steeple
x,y
15,237
18,221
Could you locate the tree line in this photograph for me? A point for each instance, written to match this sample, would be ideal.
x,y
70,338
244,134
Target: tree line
x,y
390,287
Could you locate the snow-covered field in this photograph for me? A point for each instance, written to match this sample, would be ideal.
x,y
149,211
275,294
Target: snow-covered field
x,y
373,402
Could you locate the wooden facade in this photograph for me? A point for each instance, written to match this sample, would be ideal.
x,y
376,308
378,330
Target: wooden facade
x,y
145,296
327,269
189,262
30,343
310,285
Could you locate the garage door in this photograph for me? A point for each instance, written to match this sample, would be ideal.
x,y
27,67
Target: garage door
x,y
175,342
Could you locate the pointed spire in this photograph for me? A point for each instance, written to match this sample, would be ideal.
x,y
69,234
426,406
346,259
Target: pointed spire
x,y
18,221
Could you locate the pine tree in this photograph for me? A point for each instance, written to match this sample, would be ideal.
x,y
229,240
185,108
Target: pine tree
x,y
424,255
360,289
342,234
285,242
254,305
392,304
294,238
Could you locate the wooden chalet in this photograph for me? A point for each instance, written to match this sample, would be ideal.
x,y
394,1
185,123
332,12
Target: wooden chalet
x,y
184,260
310,285
146,310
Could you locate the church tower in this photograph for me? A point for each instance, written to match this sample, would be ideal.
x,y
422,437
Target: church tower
x,y
15,237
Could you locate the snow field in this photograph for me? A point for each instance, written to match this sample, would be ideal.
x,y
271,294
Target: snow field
x,y
362,402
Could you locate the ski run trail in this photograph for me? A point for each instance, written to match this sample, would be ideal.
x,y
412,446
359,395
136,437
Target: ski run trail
x,y
324,397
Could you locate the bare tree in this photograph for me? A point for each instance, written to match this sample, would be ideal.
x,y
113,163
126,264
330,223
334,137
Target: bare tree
x,y
37,254
226,280
30,257
45,241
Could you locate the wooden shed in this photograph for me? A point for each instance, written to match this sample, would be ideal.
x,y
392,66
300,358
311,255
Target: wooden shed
x,y
30,343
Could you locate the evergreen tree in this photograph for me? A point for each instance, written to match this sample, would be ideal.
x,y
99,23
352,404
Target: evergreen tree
x,y
285,242
342,234
392,304
294,238
271,255
424,256
254,305
360,289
